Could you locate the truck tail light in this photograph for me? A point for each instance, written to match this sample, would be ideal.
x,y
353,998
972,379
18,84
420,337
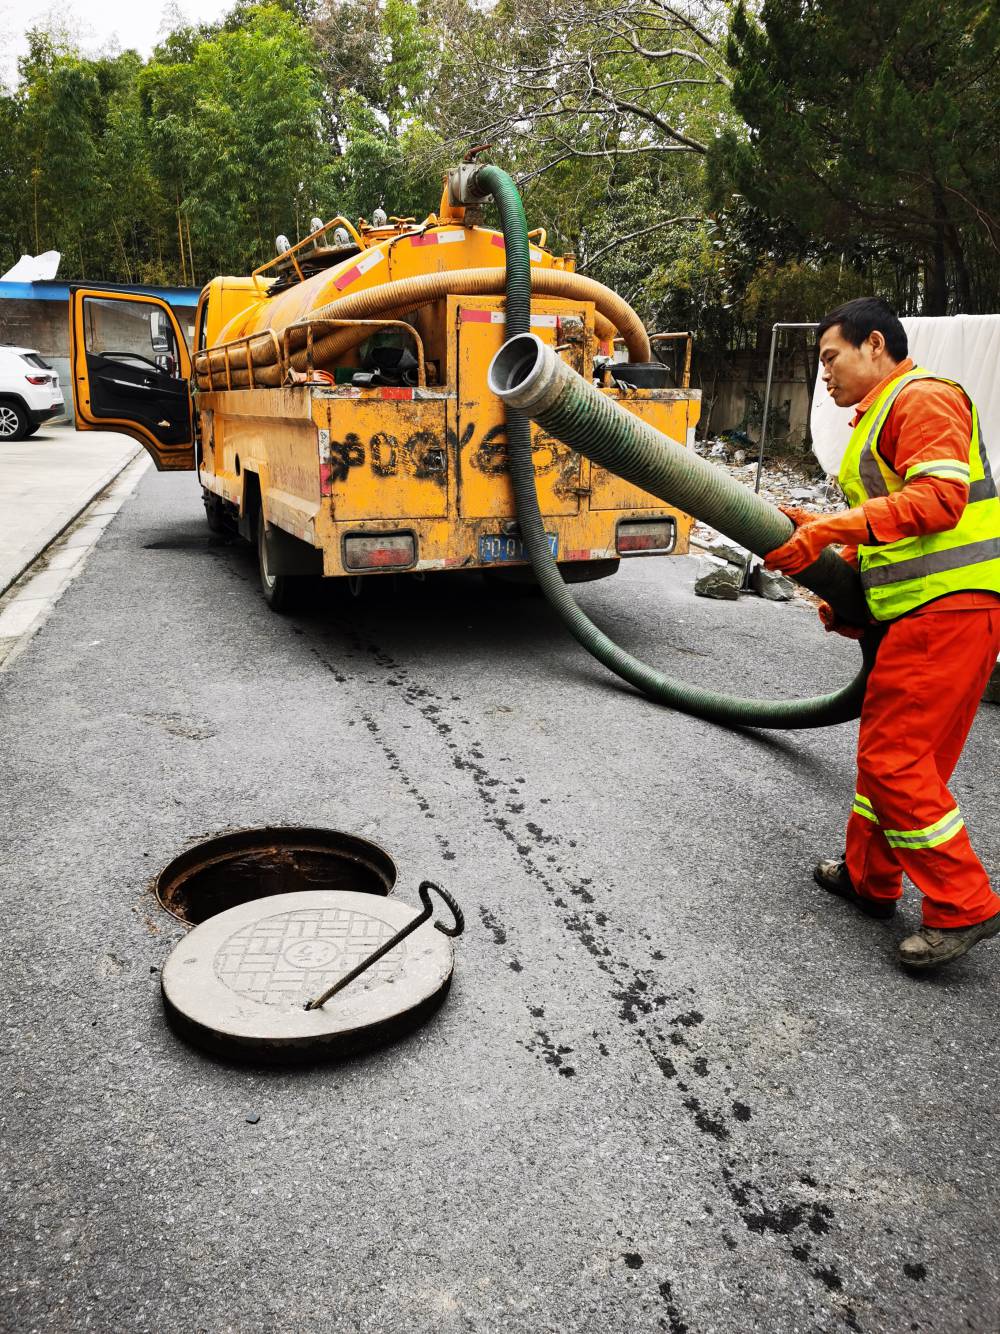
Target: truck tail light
x,y
379,551
646,537
37,379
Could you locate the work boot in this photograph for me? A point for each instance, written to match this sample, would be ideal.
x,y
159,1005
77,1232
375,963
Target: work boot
x,y
932,946
832,876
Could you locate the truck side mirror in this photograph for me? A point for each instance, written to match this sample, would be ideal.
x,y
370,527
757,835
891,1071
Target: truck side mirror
x,y
161,335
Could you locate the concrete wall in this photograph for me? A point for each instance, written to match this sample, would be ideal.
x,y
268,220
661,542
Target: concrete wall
x,y
729,408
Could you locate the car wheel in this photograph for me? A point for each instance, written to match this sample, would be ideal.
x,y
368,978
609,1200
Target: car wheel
x,y
13,422
278,589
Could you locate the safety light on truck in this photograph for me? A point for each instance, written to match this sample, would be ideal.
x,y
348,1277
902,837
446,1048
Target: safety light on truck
x,y
379,551
650,537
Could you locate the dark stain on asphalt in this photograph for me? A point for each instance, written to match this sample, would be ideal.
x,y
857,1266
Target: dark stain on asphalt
x,y
634,988
708,1125
633,1260
493,926
917,1271
551,1054
677,1325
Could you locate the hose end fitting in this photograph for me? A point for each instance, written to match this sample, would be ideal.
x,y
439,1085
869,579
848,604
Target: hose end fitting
x,y
525,374
464,189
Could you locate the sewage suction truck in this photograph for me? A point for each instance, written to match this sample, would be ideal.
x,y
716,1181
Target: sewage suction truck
x,y
410,397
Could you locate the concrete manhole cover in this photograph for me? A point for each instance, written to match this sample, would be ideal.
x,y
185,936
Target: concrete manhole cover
x,y
238,983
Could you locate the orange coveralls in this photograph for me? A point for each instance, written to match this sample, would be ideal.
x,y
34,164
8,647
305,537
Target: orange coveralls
x,y
931,670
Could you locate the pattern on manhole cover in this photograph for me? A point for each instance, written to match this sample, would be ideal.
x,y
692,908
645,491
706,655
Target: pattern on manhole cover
x,y
287,958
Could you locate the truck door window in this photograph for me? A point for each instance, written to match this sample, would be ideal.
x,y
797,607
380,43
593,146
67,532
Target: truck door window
x,y
134,333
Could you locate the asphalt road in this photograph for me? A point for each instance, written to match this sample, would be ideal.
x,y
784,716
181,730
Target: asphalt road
x,y
674,1085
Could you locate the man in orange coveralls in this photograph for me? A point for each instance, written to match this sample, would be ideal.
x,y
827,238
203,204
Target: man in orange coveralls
x,y
924,532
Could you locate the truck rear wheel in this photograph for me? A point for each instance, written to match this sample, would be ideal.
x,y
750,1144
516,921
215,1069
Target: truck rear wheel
x,y
278,589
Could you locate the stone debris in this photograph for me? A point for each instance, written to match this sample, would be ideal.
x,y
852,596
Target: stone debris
x,y
723,583
796,481
771,585
728,551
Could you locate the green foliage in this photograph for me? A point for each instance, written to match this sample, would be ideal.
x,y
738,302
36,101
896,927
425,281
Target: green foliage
x,y
873,125
799,290
806,150
191,163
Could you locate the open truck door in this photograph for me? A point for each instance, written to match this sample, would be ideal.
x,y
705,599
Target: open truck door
x,y
132,373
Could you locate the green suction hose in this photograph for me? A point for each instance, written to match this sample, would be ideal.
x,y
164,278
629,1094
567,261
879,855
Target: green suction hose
x,y
531,378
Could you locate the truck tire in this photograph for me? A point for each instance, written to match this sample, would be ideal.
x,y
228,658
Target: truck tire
x,y
13,421
279,589
215,513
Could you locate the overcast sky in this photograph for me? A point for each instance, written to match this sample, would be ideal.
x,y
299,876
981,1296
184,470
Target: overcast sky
x,y
96,24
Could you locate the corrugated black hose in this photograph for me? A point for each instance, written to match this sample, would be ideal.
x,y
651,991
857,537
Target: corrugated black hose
x,y
531,378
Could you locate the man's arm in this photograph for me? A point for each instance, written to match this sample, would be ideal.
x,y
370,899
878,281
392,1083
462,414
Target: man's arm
x,y
926,442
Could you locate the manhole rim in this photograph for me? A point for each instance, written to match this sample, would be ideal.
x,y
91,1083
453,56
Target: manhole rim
x,y
235,842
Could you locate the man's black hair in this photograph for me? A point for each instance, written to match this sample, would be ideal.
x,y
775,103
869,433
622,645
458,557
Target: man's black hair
x,y
859,318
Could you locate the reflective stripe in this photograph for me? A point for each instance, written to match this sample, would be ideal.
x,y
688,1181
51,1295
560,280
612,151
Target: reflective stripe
x,y
862,806
939,468
872,477
939,832
984,457
899,576
935,562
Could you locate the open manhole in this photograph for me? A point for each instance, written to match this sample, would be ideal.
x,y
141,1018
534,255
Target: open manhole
x,y
239,868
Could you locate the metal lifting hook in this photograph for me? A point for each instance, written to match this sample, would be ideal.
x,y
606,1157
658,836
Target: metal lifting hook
x,y
421,917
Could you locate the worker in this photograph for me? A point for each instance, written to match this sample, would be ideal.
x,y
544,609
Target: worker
x,y
923,529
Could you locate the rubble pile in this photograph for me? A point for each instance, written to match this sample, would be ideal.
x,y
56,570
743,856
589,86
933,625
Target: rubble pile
x,y
725,569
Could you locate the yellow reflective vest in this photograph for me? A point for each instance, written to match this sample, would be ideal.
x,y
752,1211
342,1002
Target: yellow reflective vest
x,y
900,576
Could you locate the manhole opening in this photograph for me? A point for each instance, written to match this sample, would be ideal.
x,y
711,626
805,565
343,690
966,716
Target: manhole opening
x,y
255,863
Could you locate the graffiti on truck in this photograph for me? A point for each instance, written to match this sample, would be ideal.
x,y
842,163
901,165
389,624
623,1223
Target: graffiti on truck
x,y
424,454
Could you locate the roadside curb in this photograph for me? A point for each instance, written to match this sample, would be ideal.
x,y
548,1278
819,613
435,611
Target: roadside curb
x,y
27,603
67,517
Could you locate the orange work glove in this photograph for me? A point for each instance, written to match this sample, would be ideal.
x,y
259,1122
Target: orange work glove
x,y
831,621
812,533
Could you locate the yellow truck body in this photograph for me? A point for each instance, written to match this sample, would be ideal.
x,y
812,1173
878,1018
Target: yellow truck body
x,y
336,476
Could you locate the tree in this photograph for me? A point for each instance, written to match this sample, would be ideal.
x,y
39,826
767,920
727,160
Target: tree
x,y
234,119
871,124
592,80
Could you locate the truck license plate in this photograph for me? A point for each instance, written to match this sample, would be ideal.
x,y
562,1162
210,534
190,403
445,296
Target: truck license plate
x,y
498,550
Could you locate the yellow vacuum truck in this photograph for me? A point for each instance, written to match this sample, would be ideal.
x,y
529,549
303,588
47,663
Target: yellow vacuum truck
x,y
337,411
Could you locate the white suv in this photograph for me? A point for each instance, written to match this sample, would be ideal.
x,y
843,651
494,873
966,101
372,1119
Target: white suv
x,y
29,393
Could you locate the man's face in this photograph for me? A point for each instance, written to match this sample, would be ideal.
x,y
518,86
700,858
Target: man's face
x,y
849,372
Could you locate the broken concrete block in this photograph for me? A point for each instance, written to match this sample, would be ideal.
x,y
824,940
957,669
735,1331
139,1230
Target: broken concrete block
x,y
771,585
728,551
722,583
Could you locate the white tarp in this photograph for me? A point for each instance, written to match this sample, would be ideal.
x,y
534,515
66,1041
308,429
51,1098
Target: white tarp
x,y
33,268
962,347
